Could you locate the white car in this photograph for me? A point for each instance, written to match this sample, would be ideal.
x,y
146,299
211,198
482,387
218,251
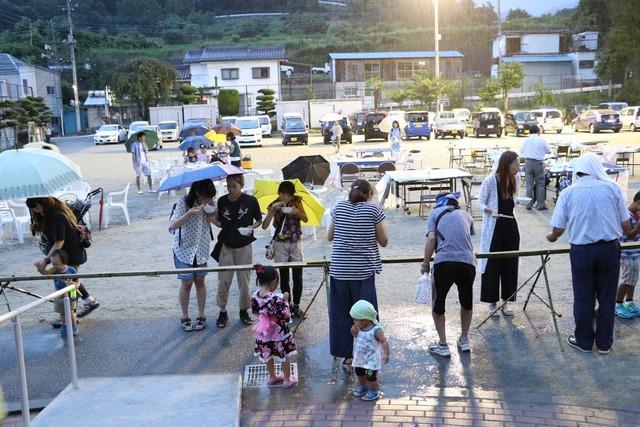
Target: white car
x,y
136,127
447,124
265,125
549,119
630,118
228,120
155,129
251,132
324,70
170,130
110,134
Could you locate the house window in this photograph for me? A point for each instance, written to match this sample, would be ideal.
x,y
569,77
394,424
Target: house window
x,y
585,65
261,72
405,70
51,90
371,70
230,73
513,45
350,92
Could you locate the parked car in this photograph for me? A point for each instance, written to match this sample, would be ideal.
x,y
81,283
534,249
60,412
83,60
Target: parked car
x,y
170,130
371,129
447,124
110,134
494,110
519,123
484,123
549,119
228,120
294,129
613,105
461,113
418,125
326,69
250,131
358,122
265,125
136,127
630,118
156,129
347,131
197,122
574,111
597,120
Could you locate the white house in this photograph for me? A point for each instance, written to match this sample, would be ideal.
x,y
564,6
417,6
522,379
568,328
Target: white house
x,y
244,68
584,48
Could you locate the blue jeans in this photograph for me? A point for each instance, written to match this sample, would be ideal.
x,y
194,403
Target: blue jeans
x,y
188,276
342,295
595,269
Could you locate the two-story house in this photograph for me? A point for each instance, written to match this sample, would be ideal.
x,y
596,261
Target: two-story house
x,y
19,80
583,51
244,68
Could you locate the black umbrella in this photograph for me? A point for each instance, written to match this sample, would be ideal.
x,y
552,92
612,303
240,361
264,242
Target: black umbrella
x,y
314,169
197,130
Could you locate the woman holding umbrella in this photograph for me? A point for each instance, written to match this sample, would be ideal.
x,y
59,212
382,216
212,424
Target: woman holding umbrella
x,y
287,214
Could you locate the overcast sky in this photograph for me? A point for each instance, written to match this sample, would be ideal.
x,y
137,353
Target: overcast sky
x,y
534,7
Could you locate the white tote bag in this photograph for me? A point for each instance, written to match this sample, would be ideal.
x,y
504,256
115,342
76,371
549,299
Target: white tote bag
x,y
424,290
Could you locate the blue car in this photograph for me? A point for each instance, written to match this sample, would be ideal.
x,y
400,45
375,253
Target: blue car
x,y
418,125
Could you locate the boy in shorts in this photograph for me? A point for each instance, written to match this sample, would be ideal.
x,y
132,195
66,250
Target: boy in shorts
x,y
140,159
59,259
629,266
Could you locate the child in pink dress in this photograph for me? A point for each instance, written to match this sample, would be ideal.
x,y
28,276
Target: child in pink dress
x,y
274,342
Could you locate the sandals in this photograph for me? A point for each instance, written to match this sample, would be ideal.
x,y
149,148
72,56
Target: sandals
x,y
201,322
297,312
245,318
292,381
222,320
186,324
277,380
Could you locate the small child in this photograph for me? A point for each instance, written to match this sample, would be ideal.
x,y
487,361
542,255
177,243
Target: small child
x,y
629,266
59,259
370,349
190,157
274,341
203,155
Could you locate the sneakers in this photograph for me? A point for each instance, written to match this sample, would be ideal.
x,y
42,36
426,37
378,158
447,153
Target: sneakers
x,y
88,308
359,391
623,312
464,346
632,308
371,395
607,351
507,311
440,349
245,318
292,381
493,311
63,330
574,343
222,320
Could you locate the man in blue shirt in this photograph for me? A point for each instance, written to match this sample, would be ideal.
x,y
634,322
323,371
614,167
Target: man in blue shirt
x,y
593,210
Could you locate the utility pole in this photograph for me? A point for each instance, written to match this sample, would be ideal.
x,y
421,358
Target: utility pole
x,y
500,36
71,42
436,32
106,104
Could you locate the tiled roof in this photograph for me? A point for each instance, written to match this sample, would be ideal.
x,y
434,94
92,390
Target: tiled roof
x,y
234,53
184,71
395,55
9,64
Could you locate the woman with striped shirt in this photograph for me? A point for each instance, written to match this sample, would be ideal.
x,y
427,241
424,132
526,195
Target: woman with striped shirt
x,y
356,231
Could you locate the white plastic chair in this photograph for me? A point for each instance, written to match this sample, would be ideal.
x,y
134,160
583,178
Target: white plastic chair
x,y
249,181
110,203
20,222
79,188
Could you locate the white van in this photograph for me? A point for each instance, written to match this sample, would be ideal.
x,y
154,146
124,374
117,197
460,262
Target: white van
x,y
461,113
549,119
170,130
251,132
265,125
228,120
630,118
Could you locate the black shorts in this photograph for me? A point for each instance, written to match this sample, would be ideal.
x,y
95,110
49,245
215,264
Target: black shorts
x,y
445,274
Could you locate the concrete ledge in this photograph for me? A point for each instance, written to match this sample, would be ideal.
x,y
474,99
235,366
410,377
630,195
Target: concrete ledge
x,y
146,401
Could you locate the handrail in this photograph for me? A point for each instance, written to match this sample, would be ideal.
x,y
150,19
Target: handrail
x,y
36,303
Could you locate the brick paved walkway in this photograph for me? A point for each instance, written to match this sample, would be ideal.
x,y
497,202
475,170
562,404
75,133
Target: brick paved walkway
x,y
419,411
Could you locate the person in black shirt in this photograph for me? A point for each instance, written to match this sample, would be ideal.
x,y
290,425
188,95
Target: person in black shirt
x,y
238,215
55,223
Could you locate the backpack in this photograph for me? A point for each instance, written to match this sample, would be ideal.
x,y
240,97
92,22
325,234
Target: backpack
x,y
85,235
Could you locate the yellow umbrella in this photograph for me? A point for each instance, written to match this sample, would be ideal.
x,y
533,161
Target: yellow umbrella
x,y
266,191
215,137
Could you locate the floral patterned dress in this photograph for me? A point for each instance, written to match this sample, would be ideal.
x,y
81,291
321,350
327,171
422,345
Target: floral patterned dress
x,y
273,338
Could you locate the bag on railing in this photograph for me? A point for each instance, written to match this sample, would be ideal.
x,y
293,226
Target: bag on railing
x,y
424,289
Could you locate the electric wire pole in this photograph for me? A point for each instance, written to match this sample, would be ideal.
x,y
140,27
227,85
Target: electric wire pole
x,y
71,42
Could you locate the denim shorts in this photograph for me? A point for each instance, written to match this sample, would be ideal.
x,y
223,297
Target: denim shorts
x,y
188,276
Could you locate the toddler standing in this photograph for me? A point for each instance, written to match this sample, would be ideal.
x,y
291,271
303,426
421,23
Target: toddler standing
x,y
274,342
370,349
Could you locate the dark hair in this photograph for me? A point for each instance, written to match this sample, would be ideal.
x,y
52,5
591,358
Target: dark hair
x,y
265,274
204,188
361,191
139,135
231,136
636,198
534,129
287,187
62,254
506,180
50,206
394,122
190,150
237,177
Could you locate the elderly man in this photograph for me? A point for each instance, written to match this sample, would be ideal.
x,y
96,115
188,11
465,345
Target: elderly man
x,y
593,209
533,151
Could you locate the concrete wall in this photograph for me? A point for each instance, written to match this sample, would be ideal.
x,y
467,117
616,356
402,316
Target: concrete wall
x,y
529,43
585,74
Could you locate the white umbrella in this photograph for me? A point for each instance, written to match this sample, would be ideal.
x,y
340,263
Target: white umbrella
x,y
331,117
42,146
387,123
35,173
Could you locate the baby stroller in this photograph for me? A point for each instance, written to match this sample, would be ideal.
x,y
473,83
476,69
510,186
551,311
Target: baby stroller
x,y
81,207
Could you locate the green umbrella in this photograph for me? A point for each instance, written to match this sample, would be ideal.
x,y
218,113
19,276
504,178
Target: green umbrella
x,y
151,138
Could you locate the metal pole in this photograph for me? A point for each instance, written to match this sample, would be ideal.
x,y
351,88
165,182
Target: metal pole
x,y
500,36
436,32
74,74
22,371
70,341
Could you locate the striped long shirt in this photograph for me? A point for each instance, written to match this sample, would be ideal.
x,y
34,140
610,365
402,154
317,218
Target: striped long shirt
x,y
355,254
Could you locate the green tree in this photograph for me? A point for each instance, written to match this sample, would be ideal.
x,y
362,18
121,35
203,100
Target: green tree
x,y
510,76
187,94
376,85
593,15
399,95
427,88
517,13
18,114
228,102
543,96
144,82
266,101
489,91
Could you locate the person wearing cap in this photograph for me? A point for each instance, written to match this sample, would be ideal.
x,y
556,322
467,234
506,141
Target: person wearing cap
x,y
370,349
594,212
449,231
533,150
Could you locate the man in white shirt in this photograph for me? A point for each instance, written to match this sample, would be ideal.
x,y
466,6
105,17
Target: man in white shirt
x,y
593,209
533,151
140,159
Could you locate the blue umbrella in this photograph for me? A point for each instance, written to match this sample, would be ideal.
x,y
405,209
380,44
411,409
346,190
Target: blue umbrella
x,y
194,142
195,130
213,172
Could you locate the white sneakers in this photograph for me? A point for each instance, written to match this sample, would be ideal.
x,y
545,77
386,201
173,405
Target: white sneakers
x,y
444,351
